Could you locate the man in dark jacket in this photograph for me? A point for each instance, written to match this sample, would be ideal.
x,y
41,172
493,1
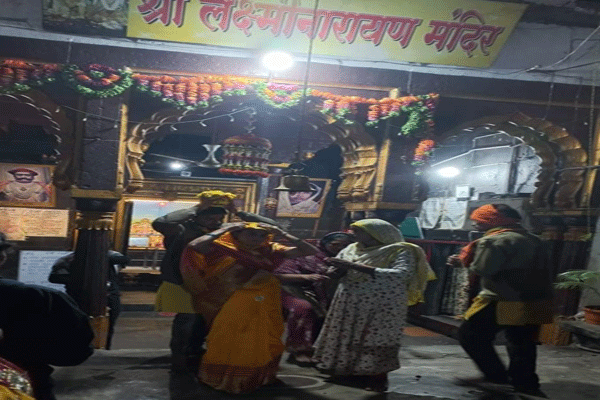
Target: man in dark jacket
x,y
515,297
179,229
61,273
40,327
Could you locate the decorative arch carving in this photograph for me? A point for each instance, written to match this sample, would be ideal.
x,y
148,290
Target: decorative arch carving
x,y
358,148
561,177
38,109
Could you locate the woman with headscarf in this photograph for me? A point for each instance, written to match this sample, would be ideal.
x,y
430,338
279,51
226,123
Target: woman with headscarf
x,y
306,294
230,281
362,331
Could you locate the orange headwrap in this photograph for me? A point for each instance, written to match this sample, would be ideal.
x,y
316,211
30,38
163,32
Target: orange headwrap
x,y
489,215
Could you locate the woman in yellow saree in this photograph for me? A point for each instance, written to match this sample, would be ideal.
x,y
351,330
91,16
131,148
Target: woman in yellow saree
x,y
230,280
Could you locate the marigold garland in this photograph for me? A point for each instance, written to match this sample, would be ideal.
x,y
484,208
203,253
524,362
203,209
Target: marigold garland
x,y
422,153
278,95
191,92
19,76
95,80
99,81
200,92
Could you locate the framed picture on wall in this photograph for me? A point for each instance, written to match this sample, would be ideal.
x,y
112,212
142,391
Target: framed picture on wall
x,y
141,234
304,204
26,185
156,198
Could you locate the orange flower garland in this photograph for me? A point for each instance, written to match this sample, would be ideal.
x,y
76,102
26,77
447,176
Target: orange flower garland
x,y
203,90
200,91
96,80
422,153
19,76
191,92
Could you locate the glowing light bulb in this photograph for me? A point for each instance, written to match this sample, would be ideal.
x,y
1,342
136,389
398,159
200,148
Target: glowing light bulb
x,y
277,60
448,172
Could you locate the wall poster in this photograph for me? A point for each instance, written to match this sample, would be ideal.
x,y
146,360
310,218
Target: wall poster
x,y
304,204
141,234
20,223
35,267
26,185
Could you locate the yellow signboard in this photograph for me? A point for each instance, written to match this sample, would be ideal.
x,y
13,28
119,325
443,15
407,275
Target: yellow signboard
x,y
456,32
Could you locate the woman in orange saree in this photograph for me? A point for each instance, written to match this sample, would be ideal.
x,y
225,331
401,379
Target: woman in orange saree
x,y
230,280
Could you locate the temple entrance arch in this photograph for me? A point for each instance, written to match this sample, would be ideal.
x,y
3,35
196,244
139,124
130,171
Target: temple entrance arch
x,y
358,147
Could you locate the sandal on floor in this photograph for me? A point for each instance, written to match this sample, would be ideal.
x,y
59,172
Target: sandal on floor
x,y
301,360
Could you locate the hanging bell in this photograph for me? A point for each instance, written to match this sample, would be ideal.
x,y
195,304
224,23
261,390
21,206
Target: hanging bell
x,y
210,161
295,183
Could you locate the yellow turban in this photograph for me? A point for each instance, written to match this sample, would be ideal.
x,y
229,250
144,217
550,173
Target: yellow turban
x,y
217,198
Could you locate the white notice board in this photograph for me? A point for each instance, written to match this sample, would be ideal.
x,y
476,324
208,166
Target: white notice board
x,y
35,267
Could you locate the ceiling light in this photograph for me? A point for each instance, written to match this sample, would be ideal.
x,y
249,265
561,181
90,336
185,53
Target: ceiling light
x,y
176,165
448,172
277,60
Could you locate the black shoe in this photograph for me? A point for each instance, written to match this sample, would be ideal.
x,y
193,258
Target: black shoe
x,y
477,381
301,360
485,384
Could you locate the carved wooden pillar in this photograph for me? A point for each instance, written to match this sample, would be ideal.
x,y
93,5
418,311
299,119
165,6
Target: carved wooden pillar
x,y
99,185
94,227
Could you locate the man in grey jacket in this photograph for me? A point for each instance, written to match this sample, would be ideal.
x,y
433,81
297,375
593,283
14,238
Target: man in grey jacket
x,y
180,228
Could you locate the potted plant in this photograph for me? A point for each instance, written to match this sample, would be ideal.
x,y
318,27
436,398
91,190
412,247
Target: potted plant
x,y
581,279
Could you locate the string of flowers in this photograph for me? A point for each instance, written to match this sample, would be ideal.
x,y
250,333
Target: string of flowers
x,y
18,76
342,108
423,152
419,109
278,95
98,81
191,92
205,90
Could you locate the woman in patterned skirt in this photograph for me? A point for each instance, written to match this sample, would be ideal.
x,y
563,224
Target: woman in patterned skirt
x,y
306,292
362,331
